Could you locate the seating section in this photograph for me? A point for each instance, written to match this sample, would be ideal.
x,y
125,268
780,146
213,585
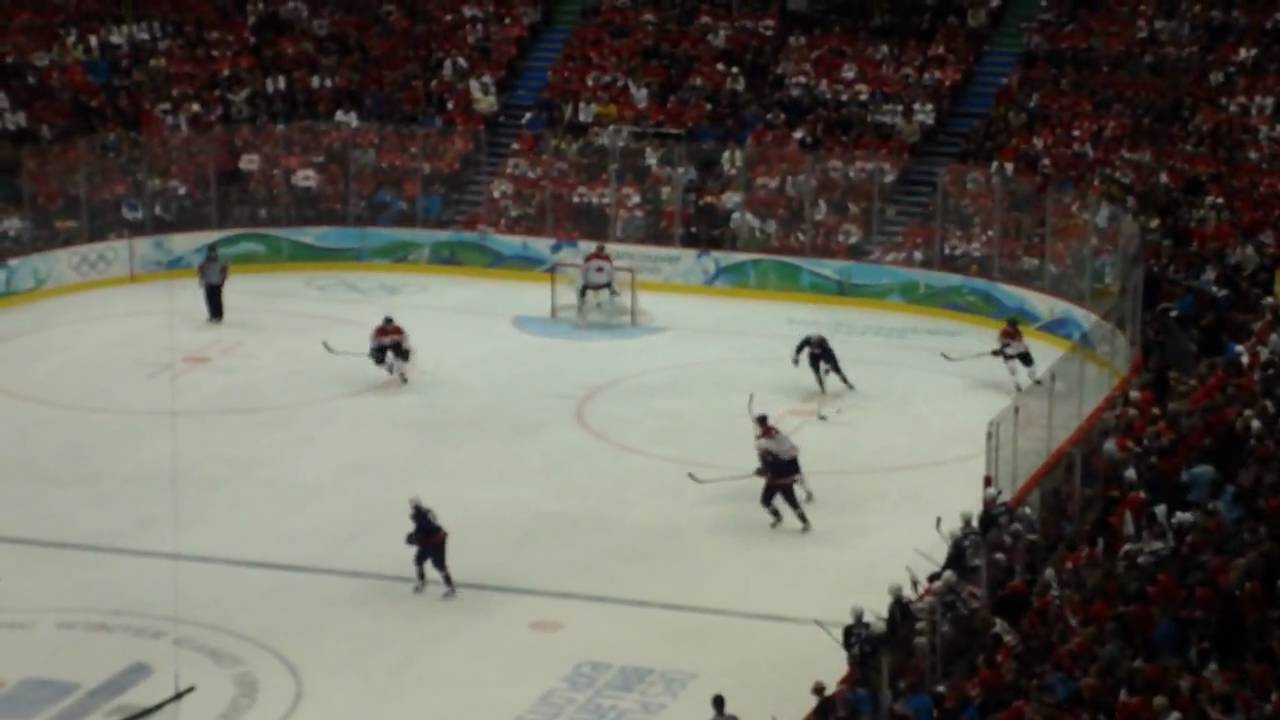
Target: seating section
x,y
755,129
1157,597
87,82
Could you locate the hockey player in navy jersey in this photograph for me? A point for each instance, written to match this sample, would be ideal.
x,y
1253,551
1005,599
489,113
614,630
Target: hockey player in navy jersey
x,y
430,539
822,360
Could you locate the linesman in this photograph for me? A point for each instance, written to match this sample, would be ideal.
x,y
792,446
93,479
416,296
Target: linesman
x,y
212,272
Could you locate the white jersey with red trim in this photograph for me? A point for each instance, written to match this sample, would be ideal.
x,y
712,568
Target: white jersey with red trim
x,y
597,270
1011,342
771,440
388,335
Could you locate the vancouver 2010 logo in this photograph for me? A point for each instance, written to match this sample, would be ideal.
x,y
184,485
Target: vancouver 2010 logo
x,y
85,664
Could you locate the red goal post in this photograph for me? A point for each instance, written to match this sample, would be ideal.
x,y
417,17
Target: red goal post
x,y
566,278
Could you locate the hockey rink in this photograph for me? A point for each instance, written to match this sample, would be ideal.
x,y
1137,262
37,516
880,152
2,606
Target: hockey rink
x,y
225,506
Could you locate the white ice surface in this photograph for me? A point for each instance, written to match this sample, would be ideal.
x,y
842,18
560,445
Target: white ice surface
x,y
271,478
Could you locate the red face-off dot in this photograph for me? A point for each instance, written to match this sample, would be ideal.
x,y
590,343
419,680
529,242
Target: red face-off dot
x,y
546,626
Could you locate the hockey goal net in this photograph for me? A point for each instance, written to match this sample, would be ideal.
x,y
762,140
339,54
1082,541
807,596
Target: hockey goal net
x,y
602,307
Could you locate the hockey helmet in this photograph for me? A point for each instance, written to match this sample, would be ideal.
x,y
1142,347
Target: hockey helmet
x,y
762,420
415,502
1011,321
387,320
856,613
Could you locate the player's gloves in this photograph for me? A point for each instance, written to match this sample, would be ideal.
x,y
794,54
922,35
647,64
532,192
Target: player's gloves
x,y
411,538
995,353
760,471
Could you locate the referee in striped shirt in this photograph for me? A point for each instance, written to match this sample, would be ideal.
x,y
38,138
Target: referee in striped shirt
x,y
212,272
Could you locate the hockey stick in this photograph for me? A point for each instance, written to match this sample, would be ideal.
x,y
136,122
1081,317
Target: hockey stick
x,y
962,358
333,351
927,557
720,478
830,634
751,413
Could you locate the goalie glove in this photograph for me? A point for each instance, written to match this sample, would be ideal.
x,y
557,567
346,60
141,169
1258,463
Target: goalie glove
x,y
795,361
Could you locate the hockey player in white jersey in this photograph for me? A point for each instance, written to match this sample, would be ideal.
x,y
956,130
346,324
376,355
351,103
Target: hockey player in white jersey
x,y
597,276
780,468
1014,351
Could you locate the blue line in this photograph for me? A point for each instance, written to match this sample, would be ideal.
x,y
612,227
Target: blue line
x,y
405,579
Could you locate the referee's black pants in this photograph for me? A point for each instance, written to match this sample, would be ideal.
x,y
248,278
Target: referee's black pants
x,y
213,301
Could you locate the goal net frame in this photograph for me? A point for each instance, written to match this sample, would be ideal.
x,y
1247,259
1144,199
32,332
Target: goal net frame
x,y
570,274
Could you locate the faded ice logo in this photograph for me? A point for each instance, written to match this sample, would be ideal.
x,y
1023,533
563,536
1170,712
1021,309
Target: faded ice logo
x,y
77,665
595,690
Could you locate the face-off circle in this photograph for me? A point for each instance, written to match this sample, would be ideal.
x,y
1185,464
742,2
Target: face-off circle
x,y
647,415
95,663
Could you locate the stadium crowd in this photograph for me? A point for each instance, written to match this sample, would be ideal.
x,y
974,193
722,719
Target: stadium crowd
x,y
1149,594
1152,593
172,117
678,121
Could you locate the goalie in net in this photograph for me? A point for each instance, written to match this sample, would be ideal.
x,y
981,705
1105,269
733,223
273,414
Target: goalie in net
x,y
594,288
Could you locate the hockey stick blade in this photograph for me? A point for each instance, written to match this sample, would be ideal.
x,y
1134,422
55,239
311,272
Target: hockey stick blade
x,y
334,351
721,478
962,358
821,625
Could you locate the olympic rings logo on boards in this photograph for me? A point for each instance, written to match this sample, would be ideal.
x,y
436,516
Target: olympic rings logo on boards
x,y
91,262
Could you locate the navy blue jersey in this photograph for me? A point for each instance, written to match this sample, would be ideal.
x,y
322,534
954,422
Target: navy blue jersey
x,y
426,529
779,470
859,642
818,347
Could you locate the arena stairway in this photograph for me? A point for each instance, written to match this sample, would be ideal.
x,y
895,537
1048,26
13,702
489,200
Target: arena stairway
x,y
912,197
526,92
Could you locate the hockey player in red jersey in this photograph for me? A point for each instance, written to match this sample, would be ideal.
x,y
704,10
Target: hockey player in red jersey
x,y
597,275
1013,350
389,348
780,468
